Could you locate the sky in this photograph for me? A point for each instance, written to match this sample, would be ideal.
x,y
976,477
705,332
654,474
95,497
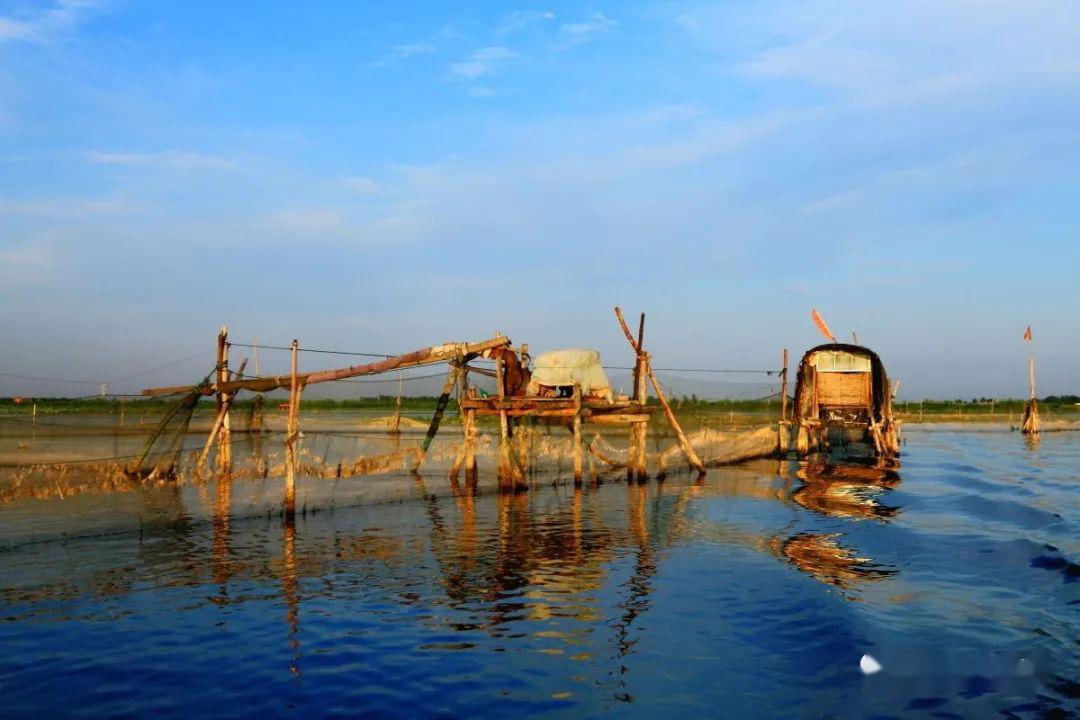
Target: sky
x,y
379,177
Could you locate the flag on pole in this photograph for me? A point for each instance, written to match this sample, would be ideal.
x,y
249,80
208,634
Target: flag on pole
x,y
820,322
1027,334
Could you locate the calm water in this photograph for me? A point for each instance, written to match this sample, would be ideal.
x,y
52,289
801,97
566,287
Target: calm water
x,y
753,593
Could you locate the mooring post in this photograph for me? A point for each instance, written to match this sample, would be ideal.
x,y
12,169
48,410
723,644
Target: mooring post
x,y
785,428
292,436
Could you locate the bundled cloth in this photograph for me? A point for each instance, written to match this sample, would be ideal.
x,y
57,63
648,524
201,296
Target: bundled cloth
x,y
566,368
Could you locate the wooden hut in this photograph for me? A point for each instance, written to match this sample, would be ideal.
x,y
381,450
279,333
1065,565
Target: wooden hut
x,y
842,396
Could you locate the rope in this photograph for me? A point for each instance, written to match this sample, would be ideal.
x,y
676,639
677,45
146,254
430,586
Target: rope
x,y
105,382
311,350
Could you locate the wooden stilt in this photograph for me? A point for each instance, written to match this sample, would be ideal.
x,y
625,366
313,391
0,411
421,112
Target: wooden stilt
x,y
785,426
510,476
223,401
578,440
635,456
470,446
292,437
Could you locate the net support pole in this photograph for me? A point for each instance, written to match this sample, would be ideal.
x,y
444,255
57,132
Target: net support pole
x,y
578,440
292,437
222,402
785,427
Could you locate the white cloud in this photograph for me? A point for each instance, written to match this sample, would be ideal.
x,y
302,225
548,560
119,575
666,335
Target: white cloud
x,y
483,62
591,28
44,26
521,19
168,159
479,91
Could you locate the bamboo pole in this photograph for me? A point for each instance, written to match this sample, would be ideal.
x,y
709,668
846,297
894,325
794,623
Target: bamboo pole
x,y
292,436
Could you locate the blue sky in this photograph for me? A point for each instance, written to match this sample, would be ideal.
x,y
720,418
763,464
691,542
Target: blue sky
x,y
383,176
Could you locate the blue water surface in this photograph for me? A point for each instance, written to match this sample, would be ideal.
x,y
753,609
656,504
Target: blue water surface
x,y
754,592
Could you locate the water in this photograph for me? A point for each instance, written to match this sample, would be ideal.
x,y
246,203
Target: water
x,y
753,593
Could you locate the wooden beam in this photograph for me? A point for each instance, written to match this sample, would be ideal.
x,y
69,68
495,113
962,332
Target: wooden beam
x,y
425,356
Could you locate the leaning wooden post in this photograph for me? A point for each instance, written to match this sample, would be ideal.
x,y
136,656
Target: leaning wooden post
x,y
292,436
218,427
223,401
578,440
436,419
785,427
687,448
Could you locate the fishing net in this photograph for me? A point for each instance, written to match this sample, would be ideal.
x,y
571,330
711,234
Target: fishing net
x,y
163,451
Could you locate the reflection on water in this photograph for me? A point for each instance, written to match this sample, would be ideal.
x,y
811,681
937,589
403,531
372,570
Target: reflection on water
x,y
733,593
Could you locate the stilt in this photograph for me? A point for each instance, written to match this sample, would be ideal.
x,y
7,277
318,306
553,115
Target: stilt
x,y
785,426
292,437
223,401
635,454
470,447
578,440
510,476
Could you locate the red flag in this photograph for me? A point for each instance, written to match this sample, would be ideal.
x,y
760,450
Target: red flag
x,y
816,316
1027,334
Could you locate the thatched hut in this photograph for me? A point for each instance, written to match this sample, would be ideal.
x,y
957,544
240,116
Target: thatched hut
x,y
842,395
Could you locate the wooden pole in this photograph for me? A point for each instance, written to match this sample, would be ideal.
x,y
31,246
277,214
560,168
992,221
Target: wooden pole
x,y
1030,424
219,423
292,436
639,430
223,401
635,460
425,356
785,427
509,474
578,440
687,448
395,426
436,419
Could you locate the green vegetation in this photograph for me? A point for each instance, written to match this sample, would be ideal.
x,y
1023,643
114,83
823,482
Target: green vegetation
x,y
1062,407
